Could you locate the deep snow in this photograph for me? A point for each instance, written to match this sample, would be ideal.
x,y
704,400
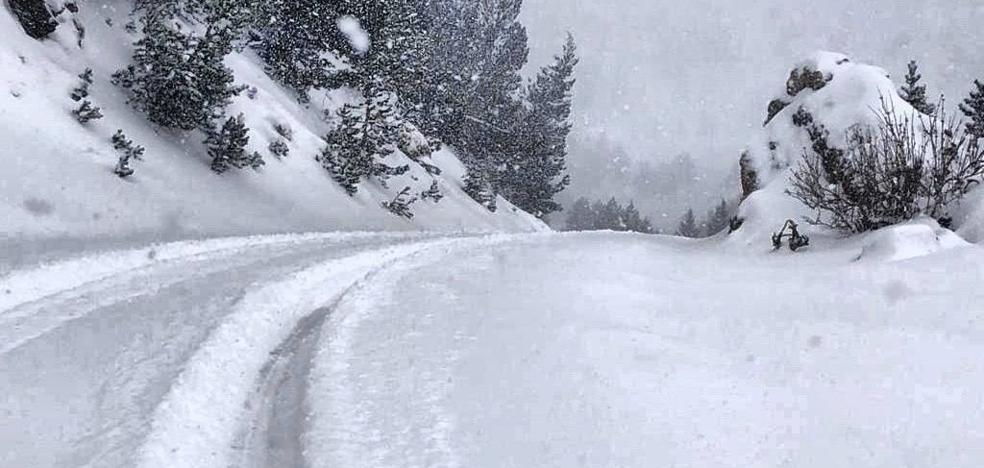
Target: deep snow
x,y
525,350
617,350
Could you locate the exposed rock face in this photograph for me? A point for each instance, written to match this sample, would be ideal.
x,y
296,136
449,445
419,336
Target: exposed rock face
x,y
34,16
803,78
749,176
775,107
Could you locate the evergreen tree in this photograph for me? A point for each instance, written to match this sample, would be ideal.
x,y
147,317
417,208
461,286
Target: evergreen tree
x,y
915,93
293,39
718,219
634,221
478,186
610,216
580,217
532,181
973,108
688,225
86,111
82,90
586,216
227,146
279,148
127,151
483,122
366,134
177,76
370,130
433,193
400,205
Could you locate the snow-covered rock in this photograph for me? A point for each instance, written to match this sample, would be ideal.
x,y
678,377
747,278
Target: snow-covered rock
x,y
57,181
839,94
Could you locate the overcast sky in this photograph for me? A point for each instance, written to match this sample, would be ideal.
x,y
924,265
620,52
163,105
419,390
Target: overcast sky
x,y
667,76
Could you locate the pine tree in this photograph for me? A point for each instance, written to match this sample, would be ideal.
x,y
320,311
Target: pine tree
x,y
634,221
293,40
367,133
400,205
610,216
82,90
973,108
718,219
433,193
86,111
178,77
532,181
915,93
370,130
580,217
487,111
478,186
128,151
227,146
279,148
688,225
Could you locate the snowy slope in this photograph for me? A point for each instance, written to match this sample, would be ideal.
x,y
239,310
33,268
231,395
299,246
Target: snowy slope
x,y
56,178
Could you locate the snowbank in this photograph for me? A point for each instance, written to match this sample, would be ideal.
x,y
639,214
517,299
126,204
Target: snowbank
x,y
57,182
916,238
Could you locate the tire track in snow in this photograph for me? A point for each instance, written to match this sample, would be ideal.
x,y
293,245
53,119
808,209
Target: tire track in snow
x,y
197,423
44,298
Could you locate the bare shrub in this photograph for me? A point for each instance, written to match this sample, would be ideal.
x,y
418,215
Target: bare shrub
x,y
887,173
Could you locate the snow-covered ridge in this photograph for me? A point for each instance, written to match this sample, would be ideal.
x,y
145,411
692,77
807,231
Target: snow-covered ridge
x,y
57,179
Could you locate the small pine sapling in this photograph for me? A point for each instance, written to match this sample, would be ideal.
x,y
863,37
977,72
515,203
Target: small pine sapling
x,y
400,205
227,146
433,193
279,148
127,151
86,111
284,131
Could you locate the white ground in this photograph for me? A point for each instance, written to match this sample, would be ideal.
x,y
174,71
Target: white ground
x,y
526,350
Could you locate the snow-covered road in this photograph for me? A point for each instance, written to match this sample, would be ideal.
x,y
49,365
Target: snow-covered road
x,y
537,350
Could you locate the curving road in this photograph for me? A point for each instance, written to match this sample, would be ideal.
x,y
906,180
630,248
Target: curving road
x,y
373,350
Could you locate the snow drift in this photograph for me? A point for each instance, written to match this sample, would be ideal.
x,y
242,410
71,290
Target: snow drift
x,y
57,181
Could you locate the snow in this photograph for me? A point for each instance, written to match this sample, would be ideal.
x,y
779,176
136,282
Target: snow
x,y
200,413
574,349
917,238
358,38
64,188
676,353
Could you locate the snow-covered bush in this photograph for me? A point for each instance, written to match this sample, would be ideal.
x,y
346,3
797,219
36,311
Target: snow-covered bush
x,y
887,173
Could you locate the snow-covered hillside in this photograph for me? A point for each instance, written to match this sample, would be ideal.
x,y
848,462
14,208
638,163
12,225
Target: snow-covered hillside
x,y
56,179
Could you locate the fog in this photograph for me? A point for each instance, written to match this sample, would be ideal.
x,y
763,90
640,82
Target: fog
x,y
664,77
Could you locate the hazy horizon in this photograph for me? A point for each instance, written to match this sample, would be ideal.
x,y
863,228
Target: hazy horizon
x,y
663,77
